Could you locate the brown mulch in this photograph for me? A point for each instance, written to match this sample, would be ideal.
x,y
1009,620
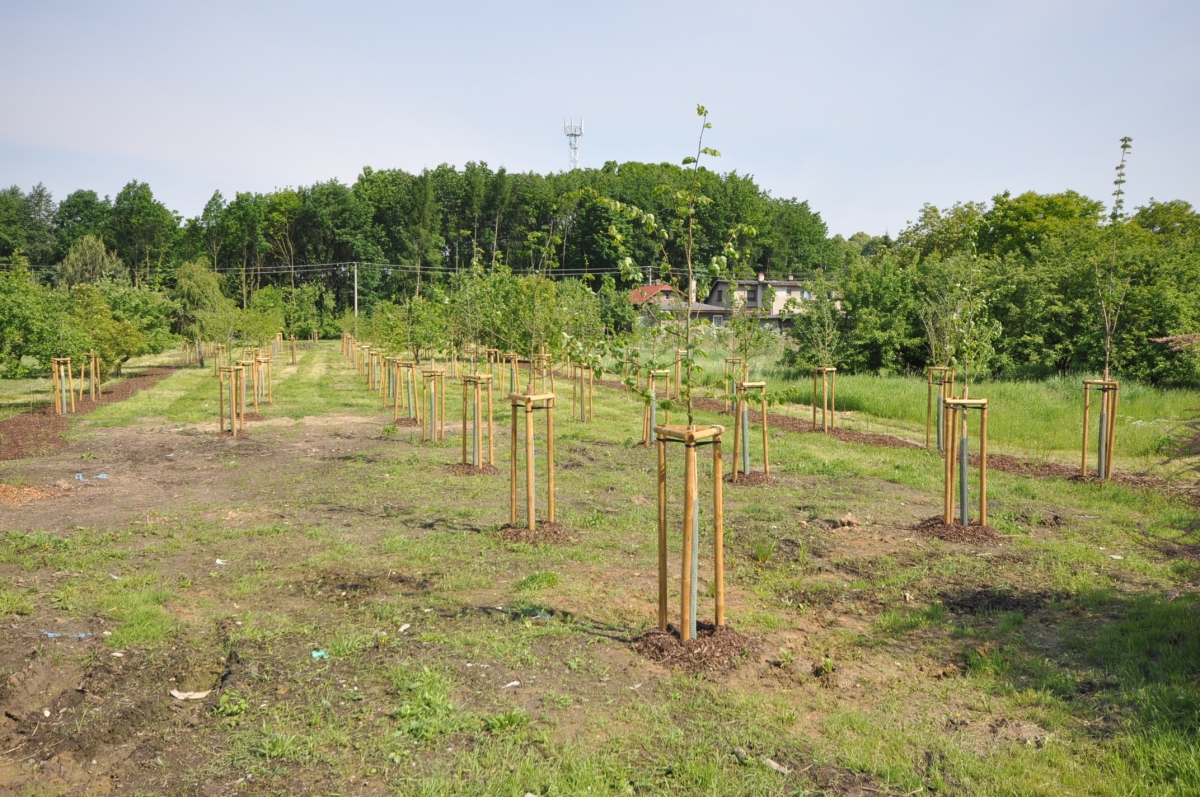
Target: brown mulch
x,y
17,494
754,478
955,532
714,649
407,422
39,431
461,469
544,532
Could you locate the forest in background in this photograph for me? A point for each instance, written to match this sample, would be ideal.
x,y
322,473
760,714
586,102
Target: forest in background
x,y
1031,263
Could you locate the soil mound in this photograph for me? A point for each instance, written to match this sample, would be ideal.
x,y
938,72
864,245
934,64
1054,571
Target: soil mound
x,y
955,532
714,648
754,478
544,532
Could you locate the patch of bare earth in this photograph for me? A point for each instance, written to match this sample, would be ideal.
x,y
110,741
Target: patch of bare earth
x,y
40,431
543,532
713,649
956,532
18,494
754,478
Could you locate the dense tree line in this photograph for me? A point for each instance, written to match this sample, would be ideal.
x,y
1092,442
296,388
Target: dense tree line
x,y
1035,262
1031,263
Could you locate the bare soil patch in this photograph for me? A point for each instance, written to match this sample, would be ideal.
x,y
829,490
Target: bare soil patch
x,y
462,469
39,431
17,494
955,532
544,532
754,478
714,648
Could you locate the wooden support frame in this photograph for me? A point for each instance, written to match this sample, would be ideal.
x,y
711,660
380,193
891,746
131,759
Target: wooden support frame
x,y
294,357
433,401
476,385
676,391
828,377
650,411
741,428
958,459
406,391
735,370
63,385
582,392
942,377
90,370
690,437
232,395
265,382
1110,390
529,403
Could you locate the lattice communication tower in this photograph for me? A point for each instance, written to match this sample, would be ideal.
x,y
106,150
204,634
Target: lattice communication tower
x,y
574,133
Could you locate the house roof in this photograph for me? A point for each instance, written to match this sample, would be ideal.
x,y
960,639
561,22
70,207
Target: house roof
x,y
642,293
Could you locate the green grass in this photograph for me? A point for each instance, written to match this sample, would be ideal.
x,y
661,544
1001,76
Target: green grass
x,y
1080,678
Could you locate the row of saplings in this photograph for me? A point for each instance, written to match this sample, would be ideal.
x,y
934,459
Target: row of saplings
x,y
417,396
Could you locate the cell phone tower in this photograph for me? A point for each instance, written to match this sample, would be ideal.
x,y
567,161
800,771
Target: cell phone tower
x,y
574,132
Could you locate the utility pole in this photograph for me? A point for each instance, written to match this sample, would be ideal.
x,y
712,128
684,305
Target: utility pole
x,y
356,299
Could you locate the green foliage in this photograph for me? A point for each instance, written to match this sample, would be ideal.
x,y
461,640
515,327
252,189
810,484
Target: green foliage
x,y
88,261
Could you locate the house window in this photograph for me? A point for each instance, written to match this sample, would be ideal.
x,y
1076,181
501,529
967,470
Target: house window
x,y
751,295
807,295
718,321
720,296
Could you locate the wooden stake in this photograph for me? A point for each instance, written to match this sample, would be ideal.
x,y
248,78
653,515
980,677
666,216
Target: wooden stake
x,y
512,519
766,445
662,534
689,502
529,459
550,457
718,532
983,441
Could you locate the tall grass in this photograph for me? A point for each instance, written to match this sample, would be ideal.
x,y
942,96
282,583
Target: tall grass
x,y
1038,418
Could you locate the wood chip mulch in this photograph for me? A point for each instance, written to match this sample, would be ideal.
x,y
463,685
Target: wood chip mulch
x,y
460,469
544,532
18,494
955,532
714,648
39,431
754,478
407,422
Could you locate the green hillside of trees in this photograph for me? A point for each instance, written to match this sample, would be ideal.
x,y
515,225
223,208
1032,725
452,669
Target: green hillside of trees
x,y
1033,259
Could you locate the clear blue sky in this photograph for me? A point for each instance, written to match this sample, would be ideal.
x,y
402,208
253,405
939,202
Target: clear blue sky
x,y
867,110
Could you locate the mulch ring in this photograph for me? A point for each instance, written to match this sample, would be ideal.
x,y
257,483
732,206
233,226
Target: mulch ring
x,y
18,494
713,649
544,532
39,431
406,422
955,532
462,469
754,478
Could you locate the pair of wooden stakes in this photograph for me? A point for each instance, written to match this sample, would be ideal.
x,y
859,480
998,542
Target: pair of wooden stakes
x,y
63,381
949,416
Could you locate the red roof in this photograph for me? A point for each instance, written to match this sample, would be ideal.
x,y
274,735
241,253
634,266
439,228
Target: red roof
x,y
642,293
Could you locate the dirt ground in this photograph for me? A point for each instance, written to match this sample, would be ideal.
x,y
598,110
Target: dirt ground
x,y
311,574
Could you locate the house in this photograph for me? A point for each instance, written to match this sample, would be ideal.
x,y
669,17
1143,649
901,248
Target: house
x,y
768,296
660,296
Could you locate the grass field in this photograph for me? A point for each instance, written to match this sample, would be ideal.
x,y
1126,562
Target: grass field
x,y
1062,659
